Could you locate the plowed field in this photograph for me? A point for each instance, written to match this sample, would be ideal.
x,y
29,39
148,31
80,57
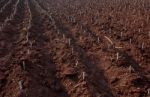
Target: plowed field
x,y
74,48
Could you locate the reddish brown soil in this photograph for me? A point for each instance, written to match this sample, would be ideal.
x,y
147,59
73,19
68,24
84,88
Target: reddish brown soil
x,y
81,48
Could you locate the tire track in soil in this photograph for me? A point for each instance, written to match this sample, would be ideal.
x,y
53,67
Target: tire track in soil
x,y
7,11
2,3
8,37
11,33
65,72
102,58
67,34
36,68
59,74
82,43
93,92
93,72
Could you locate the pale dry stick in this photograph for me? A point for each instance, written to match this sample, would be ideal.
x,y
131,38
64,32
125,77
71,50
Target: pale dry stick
x,y
148,91
130,41
110,30
91,20
77,62
117,56
72,51
28,27
30,16
28,51
58,32
15,8
71,20
121,34
21,86
30,44
81,27
64,36
131,69
134,21
23,65
77,25
139,30
83,75
98,40
69,41
117,47
51,18
78,85
142,46
11,17
109,40
27,37
6,20
147,19
142,24
84,32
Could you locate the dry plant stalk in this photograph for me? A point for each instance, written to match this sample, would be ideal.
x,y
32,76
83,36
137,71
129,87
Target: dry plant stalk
x,y
131,69
77,63
83,75
69,41
23,65
28,52
117,56
130,40
98,40
121,34
21,86
63,36
142,46
148,91
110,41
